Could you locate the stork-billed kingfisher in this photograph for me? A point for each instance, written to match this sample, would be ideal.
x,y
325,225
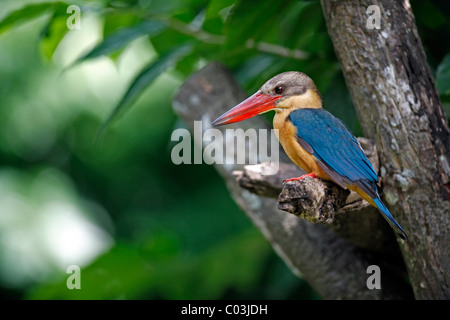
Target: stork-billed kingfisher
x,y
313,138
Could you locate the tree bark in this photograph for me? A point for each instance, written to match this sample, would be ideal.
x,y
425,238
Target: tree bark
x,y
397,103
331,264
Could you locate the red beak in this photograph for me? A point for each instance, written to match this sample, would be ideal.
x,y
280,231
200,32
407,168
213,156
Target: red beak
x,y
252,106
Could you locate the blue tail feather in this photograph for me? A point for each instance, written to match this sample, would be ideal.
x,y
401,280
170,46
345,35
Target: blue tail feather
x,y
394,224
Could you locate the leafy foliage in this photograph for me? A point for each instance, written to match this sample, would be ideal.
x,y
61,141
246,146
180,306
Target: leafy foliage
x,y
170,241
443,76
147,76
234,32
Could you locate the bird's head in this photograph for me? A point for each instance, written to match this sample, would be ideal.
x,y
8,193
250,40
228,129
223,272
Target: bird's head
x,y
287,90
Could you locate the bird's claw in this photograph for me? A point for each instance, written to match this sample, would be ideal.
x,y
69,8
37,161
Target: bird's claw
x,y
311,175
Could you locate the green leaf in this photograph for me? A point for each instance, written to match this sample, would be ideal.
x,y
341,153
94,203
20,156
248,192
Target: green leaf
x,y
28,13
443,76
117,20
301,25
247,22
216,14
52,35
122,37
167,39
147,76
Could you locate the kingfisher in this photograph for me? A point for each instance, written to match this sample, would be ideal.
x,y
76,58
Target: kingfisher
x,y
314,139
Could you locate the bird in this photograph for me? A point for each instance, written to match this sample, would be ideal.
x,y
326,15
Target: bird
x,y
315,140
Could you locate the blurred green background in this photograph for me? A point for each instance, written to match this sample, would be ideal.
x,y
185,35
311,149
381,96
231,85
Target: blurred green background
x,y
139,226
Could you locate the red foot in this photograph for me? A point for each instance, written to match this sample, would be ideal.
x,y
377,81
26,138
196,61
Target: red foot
x,y
311,175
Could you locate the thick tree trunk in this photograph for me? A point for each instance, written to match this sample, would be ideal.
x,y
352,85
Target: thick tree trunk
x,y
398,106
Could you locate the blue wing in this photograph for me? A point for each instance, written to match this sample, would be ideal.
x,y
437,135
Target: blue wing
x,y
337,150
339,154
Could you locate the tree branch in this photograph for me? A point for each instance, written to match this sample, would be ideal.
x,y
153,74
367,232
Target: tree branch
x,y
210,38
293,196
318,201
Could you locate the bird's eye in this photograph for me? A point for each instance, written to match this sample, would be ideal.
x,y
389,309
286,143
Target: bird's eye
x,y
279,90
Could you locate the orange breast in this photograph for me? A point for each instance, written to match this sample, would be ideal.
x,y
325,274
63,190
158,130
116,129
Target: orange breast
x,y
287,135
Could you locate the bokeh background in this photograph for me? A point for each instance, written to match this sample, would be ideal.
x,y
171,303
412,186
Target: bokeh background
x,y
113,203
